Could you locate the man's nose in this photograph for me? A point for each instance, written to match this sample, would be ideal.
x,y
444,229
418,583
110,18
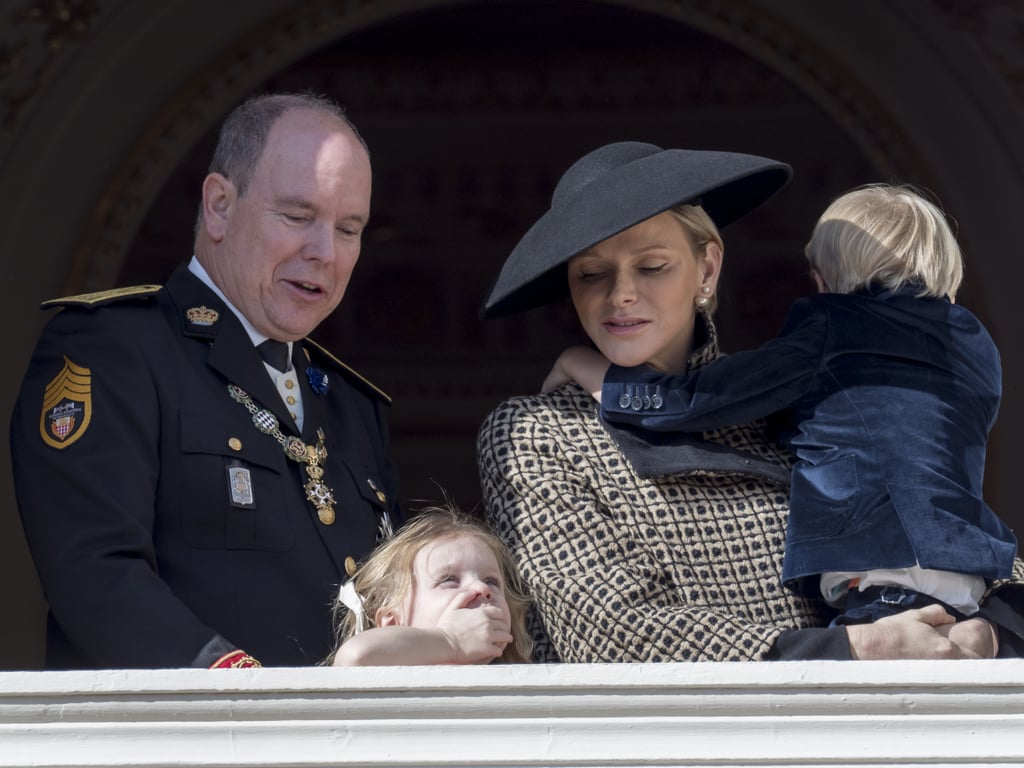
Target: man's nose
x,y
322,244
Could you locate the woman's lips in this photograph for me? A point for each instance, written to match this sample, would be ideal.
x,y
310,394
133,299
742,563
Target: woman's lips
x,y
625,326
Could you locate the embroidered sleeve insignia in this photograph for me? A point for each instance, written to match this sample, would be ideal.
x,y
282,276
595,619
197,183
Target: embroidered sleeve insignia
x,y
67,406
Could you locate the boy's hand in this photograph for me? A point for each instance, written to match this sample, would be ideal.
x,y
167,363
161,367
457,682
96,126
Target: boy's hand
x,y
583,365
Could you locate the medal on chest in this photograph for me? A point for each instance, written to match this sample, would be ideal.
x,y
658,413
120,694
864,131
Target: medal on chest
x,y
311,457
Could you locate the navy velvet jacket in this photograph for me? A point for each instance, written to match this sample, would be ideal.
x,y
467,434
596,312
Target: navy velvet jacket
x,y
888,399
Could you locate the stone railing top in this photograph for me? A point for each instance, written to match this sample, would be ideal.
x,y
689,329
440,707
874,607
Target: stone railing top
x,y
806,713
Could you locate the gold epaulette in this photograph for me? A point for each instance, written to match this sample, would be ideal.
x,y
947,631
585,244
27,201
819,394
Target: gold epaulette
x,y
99,298
349,372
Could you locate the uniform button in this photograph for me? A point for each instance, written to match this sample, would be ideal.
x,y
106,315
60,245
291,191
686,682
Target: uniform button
x,y
350,566
234,444
291,400
295,416
289,384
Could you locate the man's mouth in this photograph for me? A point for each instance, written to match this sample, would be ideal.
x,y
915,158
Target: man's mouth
x,y
306,287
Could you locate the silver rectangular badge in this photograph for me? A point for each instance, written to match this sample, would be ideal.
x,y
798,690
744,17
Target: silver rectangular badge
x,y
240,487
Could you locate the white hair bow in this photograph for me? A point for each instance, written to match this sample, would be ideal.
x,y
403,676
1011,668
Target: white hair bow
x,y
354,602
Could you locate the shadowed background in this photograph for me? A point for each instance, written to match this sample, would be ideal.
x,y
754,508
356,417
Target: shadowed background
x,y
472,110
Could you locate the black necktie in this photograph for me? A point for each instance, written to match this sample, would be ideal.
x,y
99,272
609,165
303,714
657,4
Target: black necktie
x,y
274,353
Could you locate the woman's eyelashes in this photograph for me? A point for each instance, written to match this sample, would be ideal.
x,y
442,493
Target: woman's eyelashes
x,y
594,274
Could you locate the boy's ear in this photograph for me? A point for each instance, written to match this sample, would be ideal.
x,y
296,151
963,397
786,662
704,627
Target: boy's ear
x,y
820,282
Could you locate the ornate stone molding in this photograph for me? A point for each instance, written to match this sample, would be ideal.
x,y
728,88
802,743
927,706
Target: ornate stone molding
x,y
308,25
33,39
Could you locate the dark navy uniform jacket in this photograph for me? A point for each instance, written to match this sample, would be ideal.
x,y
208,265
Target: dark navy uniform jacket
x,y
125,445
890,398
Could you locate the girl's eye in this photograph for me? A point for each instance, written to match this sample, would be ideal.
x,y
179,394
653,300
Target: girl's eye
x,y
590,276
493,582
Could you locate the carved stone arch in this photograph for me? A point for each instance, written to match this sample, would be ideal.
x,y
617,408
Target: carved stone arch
x,y
764,32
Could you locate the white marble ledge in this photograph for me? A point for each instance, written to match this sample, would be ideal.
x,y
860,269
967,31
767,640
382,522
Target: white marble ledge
x,y
954,713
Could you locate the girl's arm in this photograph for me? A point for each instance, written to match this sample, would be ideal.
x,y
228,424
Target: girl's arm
x,y
462,636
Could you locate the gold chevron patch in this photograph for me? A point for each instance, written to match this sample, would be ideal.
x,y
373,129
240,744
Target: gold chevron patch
x,y
67,406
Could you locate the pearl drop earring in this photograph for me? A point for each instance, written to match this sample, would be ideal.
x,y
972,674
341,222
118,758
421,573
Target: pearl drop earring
x,y
703,301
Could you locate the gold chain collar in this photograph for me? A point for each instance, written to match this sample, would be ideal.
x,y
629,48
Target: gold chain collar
x,y
312,457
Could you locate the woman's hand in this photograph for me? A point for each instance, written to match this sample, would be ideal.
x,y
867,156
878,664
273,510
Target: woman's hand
x,y
583,365
921,633
977,634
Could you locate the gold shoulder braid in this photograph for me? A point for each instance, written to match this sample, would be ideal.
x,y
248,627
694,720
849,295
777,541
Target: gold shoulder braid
x,y
99,298
311,456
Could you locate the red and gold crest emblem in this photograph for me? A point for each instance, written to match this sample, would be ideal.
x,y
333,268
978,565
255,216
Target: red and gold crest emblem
x,y
67,406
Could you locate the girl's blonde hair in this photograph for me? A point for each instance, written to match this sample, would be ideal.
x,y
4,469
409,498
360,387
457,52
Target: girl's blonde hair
x,y
385,579
701,230
886,235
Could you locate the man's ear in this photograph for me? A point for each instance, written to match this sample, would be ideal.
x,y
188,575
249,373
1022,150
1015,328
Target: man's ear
x,y
219,197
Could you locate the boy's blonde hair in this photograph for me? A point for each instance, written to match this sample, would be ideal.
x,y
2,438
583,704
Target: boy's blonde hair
x,y
886,235
385,579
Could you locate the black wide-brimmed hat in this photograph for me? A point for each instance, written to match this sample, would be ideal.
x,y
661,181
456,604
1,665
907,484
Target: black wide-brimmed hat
x,y
613,188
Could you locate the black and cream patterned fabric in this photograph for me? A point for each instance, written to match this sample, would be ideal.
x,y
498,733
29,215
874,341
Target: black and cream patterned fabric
x,y
623,568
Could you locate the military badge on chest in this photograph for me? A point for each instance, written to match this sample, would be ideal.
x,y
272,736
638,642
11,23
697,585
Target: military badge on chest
x,y
312,457
240,487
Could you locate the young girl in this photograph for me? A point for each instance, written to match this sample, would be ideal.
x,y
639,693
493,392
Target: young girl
x,y
442,590
889,389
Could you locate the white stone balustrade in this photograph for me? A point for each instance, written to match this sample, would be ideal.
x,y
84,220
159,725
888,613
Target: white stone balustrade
x,y
954,713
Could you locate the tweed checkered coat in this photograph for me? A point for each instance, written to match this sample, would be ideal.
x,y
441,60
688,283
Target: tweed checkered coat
x,y
636,553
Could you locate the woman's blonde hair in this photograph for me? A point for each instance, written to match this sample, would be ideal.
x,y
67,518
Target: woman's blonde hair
x,y
701,231
386,578
886,235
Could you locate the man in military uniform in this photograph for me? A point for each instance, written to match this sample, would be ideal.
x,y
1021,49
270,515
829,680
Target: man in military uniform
x,y
188,499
